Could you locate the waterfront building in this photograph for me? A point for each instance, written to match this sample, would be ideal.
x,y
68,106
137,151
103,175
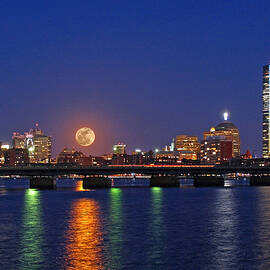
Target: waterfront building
x,y
18,140
173,157
166,157
216,149
266,112
73,157
119,149
189,146
138,157
37,144
103,160
16,157
148,157
229,131
183,147
42,147
122,159
119,156
190,155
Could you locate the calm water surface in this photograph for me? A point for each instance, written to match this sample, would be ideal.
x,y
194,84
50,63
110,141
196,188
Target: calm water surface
x,y
134,228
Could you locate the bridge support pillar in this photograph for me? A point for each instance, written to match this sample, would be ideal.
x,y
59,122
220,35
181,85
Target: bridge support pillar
x,y
259,180
43,182
208,181
96,182
164,181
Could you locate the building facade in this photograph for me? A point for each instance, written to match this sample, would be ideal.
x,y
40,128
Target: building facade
x,y
167,157
73,157
188,145
36,143
216,149
18,140
16,157
119,149
230,132
266,112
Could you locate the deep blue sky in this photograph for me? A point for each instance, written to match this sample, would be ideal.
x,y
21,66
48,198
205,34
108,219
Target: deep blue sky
x,y
135,71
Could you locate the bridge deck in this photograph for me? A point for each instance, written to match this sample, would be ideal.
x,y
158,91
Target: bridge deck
x,y
144,170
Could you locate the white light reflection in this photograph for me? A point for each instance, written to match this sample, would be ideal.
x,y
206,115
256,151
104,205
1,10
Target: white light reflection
x,y
262,245
224,237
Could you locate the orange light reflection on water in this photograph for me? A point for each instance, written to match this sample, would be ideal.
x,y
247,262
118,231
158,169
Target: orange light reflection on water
x,y
84,236
79,186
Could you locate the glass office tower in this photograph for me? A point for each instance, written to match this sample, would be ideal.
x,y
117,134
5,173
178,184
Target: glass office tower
x,y
266,111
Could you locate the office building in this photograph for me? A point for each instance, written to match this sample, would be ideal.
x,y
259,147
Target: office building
x,y
266,112
229,131
37,144
166,157
216,149
16,157
18,140
189,146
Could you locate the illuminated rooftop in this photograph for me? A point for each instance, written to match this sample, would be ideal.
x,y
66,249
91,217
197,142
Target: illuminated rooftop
x,y
226,126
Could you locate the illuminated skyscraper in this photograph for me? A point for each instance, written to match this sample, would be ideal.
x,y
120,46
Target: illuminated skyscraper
x,y
229,131
266,112
41,146
37,144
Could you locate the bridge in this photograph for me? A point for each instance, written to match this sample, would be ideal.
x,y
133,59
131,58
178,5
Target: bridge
x,y
161,175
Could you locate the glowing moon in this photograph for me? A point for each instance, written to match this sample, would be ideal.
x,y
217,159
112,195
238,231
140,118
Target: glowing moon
x,y
85,136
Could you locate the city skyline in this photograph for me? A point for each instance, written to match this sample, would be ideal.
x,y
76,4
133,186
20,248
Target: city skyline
x,y
22,135
129,71
219,145
134,134
87,148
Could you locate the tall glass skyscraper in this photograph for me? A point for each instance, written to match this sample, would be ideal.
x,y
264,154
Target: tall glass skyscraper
x,y
266,111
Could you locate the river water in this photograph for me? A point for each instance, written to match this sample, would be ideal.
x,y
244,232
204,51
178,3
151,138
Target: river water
x,y
134,228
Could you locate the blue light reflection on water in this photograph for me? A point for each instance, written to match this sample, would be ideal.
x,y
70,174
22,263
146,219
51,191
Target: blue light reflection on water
x,y
135,228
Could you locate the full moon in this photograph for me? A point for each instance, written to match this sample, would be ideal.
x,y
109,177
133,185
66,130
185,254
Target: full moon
x,y
85,136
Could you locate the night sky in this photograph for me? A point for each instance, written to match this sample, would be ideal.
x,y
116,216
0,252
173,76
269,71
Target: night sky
x,y
137,72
